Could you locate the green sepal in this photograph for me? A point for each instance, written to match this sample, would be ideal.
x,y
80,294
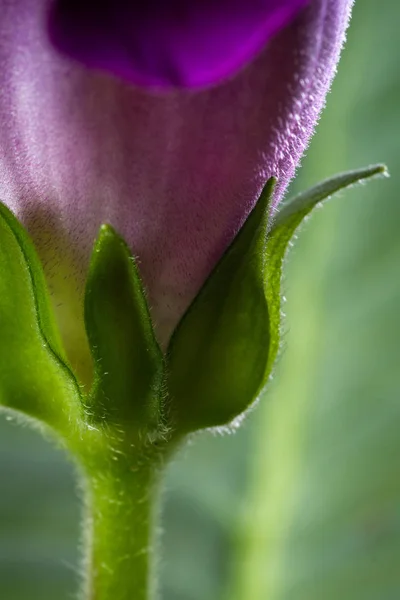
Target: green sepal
x,y
34,376
290,215
223,350
219,351
292,211
128,362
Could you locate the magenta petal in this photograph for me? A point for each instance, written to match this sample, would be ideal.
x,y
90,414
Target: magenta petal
x,y
176,175
184,43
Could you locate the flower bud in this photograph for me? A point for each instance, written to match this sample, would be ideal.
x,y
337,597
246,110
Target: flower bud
x,y
174,43
175,173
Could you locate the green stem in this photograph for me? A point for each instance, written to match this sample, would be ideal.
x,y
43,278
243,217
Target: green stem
x,y
120,532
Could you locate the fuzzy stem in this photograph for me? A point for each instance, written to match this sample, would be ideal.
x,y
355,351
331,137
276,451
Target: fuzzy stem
x,y
120,533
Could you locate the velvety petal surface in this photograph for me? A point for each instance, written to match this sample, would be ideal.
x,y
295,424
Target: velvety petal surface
x,y
176,175
168,43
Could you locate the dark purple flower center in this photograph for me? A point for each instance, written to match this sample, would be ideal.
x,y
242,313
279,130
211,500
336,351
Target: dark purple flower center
x,y
163,43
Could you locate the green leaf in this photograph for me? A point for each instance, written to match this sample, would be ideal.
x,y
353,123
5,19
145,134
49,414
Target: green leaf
x,y
218,353
34,378
127,359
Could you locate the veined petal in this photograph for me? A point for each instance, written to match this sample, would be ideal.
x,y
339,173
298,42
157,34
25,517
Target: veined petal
x,y
176,175
168,43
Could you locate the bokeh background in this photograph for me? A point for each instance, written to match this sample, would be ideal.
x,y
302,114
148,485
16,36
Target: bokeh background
x,y
303,503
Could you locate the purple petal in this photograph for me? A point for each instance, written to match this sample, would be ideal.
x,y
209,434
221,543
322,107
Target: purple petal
x,y
184,43
176,175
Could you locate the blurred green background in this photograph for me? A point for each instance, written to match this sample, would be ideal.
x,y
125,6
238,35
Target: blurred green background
x,y
303,503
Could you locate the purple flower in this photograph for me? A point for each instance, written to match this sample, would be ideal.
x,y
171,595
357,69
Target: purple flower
x,y
163,43
175,173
